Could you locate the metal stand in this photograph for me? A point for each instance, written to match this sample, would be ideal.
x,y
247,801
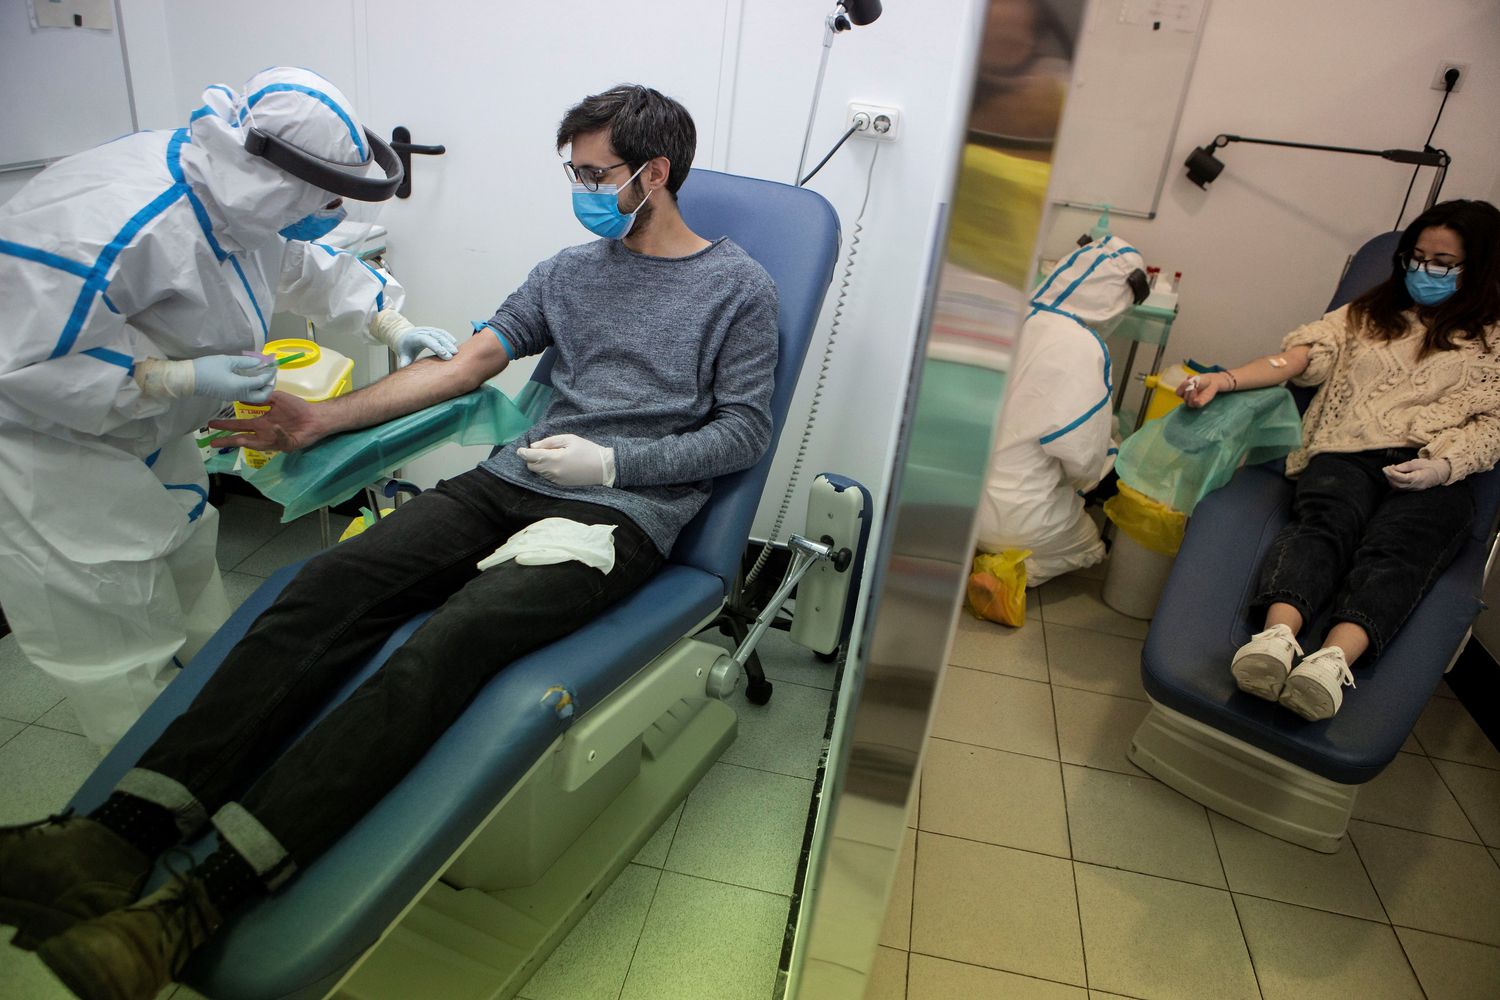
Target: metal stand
x,y
735,618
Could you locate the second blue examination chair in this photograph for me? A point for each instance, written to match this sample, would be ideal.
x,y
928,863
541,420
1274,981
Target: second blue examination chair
x,y
467,874
1251,759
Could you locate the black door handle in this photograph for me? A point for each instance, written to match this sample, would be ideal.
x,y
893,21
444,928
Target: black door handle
x,y
404,147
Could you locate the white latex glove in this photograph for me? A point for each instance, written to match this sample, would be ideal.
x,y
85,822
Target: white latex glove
x,y
1418,474
217,376
397,332
569,460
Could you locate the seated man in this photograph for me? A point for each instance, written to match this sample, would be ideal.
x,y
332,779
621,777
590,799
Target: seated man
x,y
1055,440
665,351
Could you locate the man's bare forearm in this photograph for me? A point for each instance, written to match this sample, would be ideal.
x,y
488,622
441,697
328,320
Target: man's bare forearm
x,y
418,385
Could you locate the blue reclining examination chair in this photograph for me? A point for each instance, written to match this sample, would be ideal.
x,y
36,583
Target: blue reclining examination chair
x,y
1253,760
560,769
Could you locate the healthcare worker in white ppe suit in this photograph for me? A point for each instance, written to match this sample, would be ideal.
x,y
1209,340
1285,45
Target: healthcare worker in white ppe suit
x,y
1056,437
135,276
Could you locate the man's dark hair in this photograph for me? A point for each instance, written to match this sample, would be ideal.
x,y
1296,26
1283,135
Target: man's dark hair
x,y
643,124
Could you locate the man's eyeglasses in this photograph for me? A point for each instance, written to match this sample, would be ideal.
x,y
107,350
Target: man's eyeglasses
x,y
1432,267
589,177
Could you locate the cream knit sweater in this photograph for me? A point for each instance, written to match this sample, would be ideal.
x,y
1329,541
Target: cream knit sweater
x,y
1376,394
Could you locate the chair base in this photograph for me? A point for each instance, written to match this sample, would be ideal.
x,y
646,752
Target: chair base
x,y
1241,781
488,942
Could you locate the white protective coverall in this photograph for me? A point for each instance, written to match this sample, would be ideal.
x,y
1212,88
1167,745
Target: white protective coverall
x,y
1056,428
158,244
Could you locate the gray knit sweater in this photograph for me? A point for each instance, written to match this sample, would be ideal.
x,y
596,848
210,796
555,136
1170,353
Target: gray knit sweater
x,y
669,361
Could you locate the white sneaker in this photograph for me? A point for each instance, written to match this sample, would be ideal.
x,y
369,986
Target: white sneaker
x,y
1260,666
1315,690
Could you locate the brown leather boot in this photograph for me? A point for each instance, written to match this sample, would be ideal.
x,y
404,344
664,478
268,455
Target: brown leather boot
x,y
61,871
131,954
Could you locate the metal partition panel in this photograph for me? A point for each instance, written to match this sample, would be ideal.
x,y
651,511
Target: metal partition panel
x,y
982,266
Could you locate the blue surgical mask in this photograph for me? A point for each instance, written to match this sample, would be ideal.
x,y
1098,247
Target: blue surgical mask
x,y
599,211
1431,289
315,226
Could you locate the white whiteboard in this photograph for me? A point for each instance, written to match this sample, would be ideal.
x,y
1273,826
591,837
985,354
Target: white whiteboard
x,y
62,90
1134,59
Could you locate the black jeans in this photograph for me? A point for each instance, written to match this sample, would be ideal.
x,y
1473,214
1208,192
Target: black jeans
x,y
1366,549
340,609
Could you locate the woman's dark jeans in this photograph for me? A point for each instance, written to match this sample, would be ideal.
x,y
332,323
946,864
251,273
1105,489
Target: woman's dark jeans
x,y
338,611
1367,549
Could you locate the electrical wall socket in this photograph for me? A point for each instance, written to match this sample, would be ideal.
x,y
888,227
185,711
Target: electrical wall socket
x,y
1438,83
884,121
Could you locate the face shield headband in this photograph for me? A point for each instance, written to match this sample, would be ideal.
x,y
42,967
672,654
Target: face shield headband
x,y
335,178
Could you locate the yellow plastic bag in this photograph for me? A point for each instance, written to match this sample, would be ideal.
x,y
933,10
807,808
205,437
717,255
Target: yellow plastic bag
x,y
997,587
359,524
1148,522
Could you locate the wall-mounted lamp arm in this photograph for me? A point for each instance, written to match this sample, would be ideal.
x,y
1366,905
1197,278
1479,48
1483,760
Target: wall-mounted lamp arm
x,y
1422,157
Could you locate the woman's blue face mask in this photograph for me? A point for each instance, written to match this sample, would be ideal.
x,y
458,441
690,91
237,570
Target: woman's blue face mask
x,y
315,226
599,211
1431,289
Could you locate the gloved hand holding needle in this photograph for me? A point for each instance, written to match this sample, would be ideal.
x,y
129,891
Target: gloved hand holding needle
x,y
249,378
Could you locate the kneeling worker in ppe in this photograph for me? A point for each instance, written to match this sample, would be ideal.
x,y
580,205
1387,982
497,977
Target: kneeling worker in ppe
x,y
1056,437
665,350
136,278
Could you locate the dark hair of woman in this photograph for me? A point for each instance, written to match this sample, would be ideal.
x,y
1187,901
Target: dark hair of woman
x,y
1469,311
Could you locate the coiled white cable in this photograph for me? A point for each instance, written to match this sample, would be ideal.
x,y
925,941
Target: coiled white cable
x,y
822,380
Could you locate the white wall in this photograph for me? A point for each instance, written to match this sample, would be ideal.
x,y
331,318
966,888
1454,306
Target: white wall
x,y
1262,249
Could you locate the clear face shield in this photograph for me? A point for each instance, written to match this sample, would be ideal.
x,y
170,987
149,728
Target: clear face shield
x,y
356,192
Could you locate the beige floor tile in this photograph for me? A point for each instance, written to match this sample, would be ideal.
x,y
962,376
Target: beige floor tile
x,y
1095,730
683,954
897,930
1412,746
654,853
1262,865
887,976
1430,883
1495,852
1141,825
26,694
1303,954
997,797
1094,661
593,959
1449,969
914,806
1074,600
1478,792
1409,794
1000,649
40,769
729,801
931,978
1002,713
1447,730
24,977
1151,937
996,907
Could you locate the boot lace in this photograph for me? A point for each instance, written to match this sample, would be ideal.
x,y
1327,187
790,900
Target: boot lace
x,y
38,825
196,921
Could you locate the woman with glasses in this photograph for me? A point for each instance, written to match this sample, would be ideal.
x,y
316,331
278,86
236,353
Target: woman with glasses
x,y
1407,408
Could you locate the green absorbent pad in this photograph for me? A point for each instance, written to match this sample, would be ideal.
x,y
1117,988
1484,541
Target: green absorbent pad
x,y
1182,457
337,468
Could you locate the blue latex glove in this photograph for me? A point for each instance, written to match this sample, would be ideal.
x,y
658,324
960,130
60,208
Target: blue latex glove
x,y
234,377
423,338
